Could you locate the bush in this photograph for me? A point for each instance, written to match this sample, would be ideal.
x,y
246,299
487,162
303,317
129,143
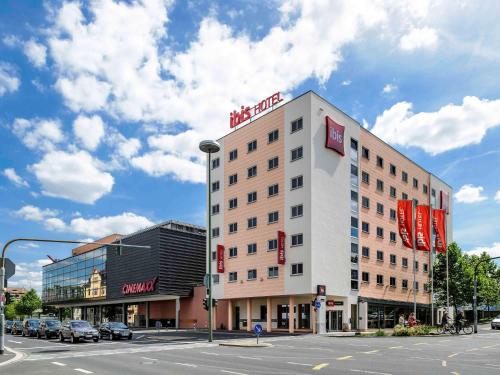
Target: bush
x,y
400,330
380,333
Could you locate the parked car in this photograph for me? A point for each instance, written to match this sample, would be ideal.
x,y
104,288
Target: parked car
x,y
76,330
48,328
17,327
495,323
8,326
115,330
30,326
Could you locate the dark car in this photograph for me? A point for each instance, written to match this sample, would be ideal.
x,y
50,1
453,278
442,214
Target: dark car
x,y
48,328
77,330
17,327
115,330
30,326
8,326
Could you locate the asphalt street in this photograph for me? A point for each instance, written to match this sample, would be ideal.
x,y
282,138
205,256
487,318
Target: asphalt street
x,y
189,353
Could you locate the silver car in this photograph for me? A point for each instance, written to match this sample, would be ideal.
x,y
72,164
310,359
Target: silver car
x,y
76,330
495,323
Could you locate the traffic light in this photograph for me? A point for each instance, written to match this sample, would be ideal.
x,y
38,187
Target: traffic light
x,y
205,304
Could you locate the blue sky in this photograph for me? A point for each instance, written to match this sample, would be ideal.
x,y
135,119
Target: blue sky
x,y
103,103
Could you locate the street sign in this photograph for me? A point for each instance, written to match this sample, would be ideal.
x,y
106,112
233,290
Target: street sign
x,y
10,268
258,330
317,304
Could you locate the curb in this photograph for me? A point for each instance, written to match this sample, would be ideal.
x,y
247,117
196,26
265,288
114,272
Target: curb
x,y
246,344
18,356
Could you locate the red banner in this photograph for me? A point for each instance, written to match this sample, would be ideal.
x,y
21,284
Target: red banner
x,y
281,247
422,229
220,259
405,222
439,225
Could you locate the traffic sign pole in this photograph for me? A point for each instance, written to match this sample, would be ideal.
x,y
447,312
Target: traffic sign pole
x,y
2,314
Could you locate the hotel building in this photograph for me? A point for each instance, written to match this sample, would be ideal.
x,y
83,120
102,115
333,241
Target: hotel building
x,y
344,263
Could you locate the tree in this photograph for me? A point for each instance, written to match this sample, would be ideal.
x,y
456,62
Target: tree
x,y
28,303
10,311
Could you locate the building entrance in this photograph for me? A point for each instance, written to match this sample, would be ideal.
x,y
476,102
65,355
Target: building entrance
x,y
334,320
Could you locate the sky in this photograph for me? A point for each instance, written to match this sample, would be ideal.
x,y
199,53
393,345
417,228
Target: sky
x,y
103,103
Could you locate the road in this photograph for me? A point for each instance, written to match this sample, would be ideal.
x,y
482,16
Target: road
x,y
189,353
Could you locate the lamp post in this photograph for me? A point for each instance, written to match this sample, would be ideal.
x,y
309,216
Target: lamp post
x,y
2,273
209,147
474,299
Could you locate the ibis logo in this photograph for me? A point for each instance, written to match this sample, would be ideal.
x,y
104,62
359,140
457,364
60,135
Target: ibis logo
x,y
334,136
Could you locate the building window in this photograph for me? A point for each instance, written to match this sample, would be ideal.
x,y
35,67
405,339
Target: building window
x,y
365,252
252,197
415,200
252,223
272,217
380,185
354,171
273,136
416,265
215,279
416,285
365,277
392,169
233,155
425,188
404,284
251,248
392,192
215,186
380,232
272,272
392,236
354,248
393,258
365,153
297,211
233,179
297,153
233,228
214,255
215,209
252,171
252,146
404,262
365,202
365,177
297,269
354,279
354,201
215,232
392,282
380,162
215,163
233,276
365,227
404,176
272,163
404,196
415,183
354,227
354,149
296,125
392,214
272,190
433,192
427,288
380,255
252,274
263,312
380,208
297,239
297,182
426,267
272,244
233,203
233,252
380,279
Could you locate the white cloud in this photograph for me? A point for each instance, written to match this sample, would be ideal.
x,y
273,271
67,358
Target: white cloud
x,y
13,177
76,176
42,134
347,82
497,196
129,147
9,80
29,275
470,194
419,38
36,53
452,126
55,224
388,88
89,130
33,213
124,223
493,250
84,93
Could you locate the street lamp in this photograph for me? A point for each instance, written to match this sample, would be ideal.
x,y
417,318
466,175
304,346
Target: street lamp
x,y
474,299
2,273
209,147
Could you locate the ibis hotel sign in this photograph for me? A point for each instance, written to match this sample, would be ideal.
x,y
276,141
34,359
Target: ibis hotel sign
x,y
246,113
334,136
141,287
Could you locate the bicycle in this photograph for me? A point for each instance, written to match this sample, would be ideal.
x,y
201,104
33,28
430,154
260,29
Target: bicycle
x,y
446,328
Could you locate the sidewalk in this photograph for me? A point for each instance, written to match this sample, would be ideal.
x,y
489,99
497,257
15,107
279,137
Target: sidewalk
x,y
10,356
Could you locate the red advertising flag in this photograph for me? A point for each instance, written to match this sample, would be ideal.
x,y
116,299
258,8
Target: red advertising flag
x,y
220,259
405,222
422,230
281,247
439,225
334,136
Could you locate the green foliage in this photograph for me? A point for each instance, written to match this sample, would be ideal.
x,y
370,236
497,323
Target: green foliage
x,y
28,303
419,330
10,311
380,333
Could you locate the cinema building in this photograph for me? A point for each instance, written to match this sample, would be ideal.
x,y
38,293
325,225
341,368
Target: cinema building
x,y
135,285
304,232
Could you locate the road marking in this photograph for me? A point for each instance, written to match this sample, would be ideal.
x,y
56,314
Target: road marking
x,y
455,373
396,347
490,346
244,357
490,364
344,358
453,355
370,372
443,363
83,370
186,364
320,366
149,359
300,364
140,337
209,353
371,351
15,342
421,343
58,363
232,372
472,350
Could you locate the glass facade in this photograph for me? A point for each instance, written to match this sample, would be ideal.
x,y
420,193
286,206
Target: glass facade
x,y
80,277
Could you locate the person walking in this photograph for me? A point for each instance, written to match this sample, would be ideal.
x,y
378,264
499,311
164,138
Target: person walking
x,y
412,322
402,319
459,321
